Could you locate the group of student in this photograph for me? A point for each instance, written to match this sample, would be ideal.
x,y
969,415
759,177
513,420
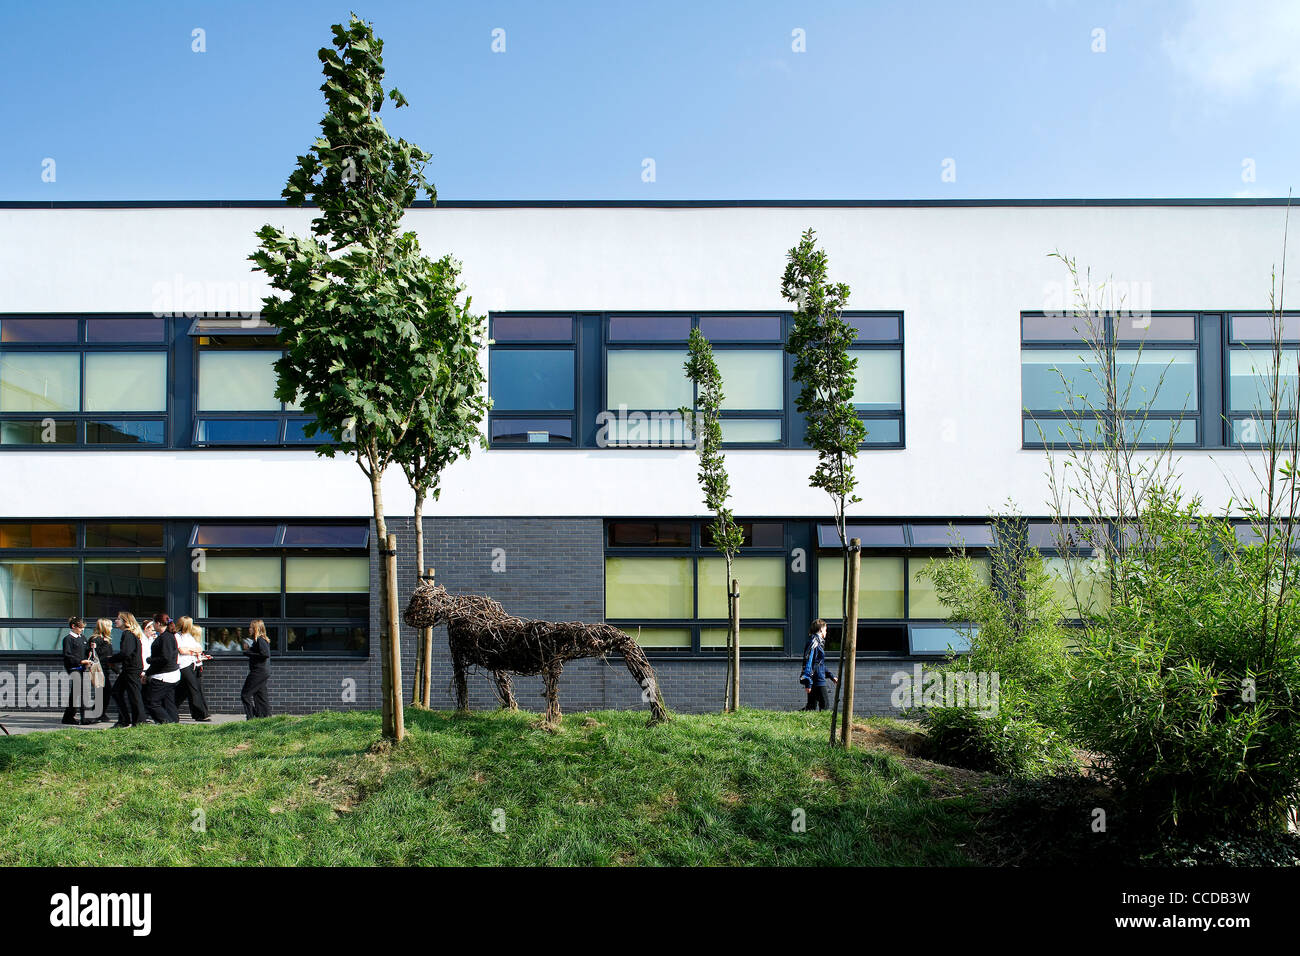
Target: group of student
x,y
159,667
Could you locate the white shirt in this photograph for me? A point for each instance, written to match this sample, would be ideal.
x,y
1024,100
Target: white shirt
x,y
189,649
171,677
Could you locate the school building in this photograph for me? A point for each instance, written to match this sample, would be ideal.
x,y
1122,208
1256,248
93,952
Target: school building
x,y
145,463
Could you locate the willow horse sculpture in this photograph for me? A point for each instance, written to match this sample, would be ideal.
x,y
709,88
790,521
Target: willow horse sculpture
x,y
482,634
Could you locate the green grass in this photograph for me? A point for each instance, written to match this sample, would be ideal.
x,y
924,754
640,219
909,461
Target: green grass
x,y
606,789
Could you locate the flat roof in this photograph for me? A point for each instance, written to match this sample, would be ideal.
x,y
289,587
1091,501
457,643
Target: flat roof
x,y
647,203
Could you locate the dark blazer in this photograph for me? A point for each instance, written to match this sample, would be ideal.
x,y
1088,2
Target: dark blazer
x,y
74,651
162,656
258,656
128,654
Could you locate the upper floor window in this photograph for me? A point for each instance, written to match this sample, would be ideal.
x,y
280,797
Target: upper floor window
x,y
1255,374
74,381
619,380
235,401
1088,381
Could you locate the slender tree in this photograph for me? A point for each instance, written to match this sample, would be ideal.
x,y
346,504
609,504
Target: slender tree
x,y
825,371
728,536
457,402
350,300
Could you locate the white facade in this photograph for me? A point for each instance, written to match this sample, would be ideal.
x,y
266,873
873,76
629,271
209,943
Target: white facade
x,y
960,275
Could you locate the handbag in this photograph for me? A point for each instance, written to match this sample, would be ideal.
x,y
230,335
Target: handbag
x,y
95,671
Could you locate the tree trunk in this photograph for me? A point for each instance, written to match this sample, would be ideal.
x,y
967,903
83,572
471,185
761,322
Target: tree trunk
x,y
735,645
426,638
391,677
841,525
849,644
421,663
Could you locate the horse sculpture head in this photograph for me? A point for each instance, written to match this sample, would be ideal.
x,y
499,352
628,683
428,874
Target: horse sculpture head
x,y
428,606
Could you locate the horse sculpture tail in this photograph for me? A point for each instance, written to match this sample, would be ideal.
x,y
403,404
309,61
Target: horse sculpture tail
x,y
639,665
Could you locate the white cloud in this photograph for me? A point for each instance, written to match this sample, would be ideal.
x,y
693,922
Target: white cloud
x,y
1240,48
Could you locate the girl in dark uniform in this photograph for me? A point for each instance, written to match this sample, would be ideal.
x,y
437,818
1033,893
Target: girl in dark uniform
x,y
126,690
258,651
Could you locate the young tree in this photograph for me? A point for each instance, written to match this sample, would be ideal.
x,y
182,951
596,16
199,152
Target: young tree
x,y
728,536
825,371
351,299
458,402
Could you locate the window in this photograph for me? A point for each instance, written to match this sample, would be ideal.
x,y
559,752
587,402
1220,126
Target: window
x,y
1156,375
235,401
665,585
531,369
310,583
50,571
1253,373
70,381
618,380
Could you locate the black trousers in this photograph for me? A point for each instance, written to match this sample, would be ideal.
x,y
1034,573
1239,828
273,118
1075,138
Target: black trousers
x,y
160,701
76,712
130,704
817,698
257,703
105,695
191,689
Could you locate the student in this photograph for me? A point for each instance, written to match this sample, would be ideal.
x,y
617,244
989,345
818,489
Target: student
x,y
126,690
191,664
163,676
101,649
258,651
814,673
76,660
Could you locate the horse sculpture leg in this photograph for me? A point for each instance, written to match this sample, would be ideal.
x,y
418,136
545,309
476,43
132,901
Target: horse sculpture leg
x,y
551,678
639,665
505,691
459,670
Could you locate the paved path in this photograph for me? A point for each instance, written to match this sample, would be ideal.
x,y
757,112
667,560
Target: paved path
x,y
27,722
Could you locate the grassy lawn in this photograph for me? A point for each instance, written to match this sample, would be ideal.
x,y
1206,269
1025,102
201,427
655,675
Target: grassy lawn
x,y
605,789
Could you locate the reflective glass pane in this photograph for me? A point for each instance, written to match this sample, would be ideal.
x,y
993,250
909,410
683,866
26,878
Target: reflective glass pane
x,y
532,328
751,431
649,588
1079,583
125,330
126,382
741,328
678,638
1255,431
880,588
649,328
326,575
875,328
138,585
40,381
1162,380
22,534
751,379
532,431
878,383
1160,431
1155,328
38,330
323,639
762,587
238,431
125,432
326,536
952,535
755,534
31,638
1259,328
237,381
531,379
37,431
642,428
123,535
751,638
1250,379
1060,327
39,587
295,433
1064,431
1053,379
235,535
649,534
871,535
647,379
929,639
882,431
923,600
239,587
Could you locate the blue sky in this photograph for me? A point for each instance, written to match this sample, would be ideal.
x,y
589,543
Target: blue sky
x,y
1186,97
